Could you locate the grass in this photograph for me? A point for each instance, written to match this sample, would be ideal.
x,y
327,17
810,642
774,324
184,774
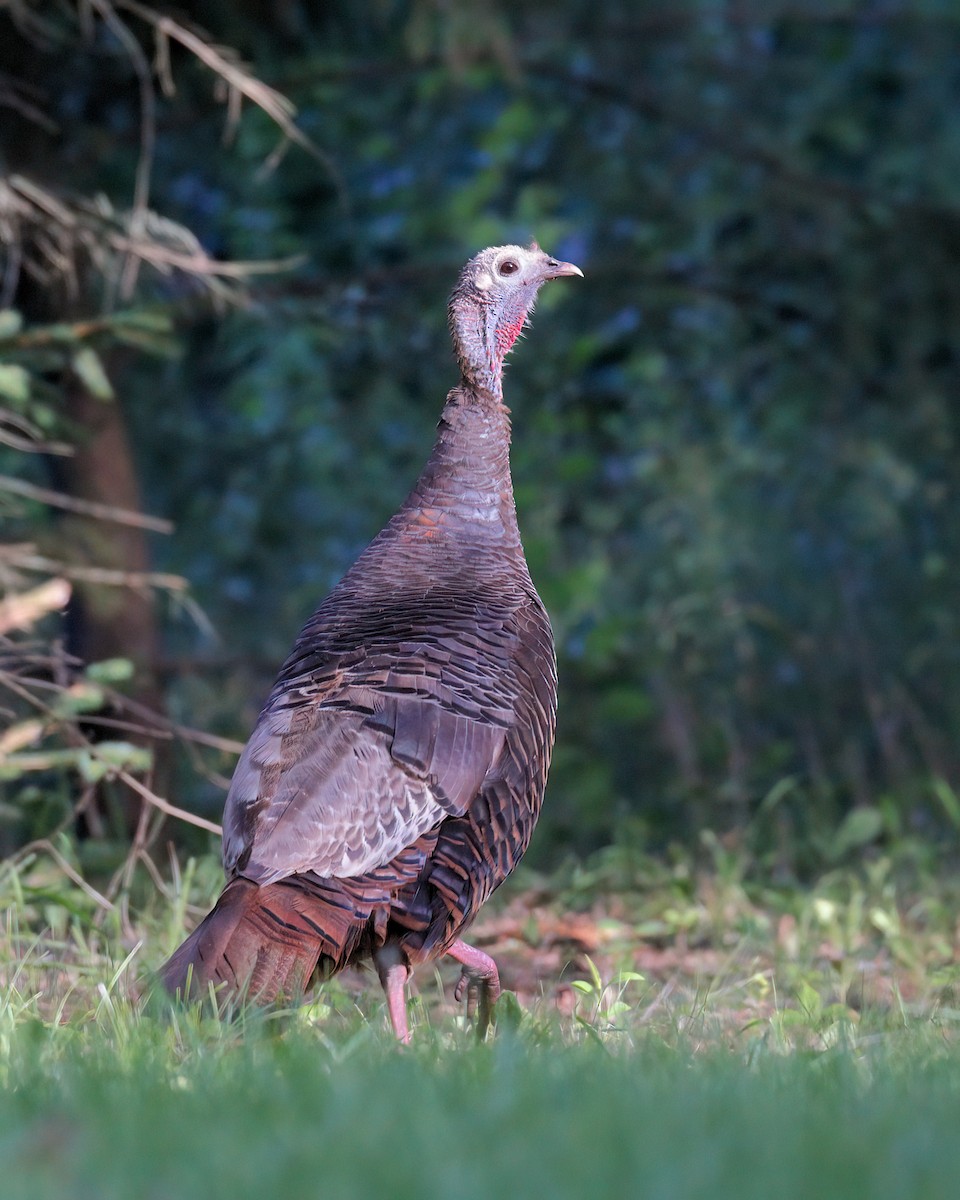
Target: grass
x,y
752,1041
272,1115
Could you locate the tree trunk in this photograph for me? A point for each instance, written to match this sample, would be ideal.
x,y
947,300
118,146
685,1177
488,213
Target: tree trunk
x,y
108,621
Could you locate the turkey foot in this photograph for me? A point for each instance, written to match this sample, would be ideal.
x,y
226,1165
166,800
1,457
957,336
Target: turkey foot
x,y
393,974
479,982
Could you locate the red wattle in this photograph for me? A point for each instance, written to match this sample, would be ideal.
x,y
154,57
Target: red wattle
x,y
507,335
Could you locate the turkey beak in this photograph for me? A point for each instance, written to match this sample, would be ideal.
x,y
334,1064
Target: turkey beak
x,y
553,269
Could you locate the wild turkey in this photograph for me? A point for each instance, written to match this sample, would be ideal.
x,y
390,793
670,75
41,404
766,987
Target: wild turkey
x,y
396,772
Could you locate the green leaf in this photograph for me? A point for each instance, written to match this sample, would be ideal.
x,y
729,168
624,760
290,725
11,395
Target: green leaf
x,y
11,322
110,757
859,827
124,755
14,383
809,1000
783,787
89,368
110,670
81,698
508,1012
948,801
149,331
148,320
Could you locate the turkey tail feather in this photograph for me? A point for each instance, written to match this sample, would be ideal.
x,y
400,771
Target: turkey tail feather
x,y
262,942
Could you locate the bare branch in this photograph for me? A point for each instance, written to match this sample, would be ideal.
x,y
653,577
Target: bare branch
x,y
13,95
48,236
77,738
33,442
25,558
225,64
200,263
58,231
165,806
45,847
89,508
161,63
30,24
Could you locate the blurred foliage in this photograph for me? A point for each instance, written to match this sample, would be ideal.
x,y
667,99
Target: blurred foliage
x,y
735,448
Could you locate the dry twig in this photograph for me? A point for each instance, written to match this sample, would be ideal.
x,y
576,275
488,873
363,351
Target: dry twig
x,y
43,846
20,434
88,508
164,806
24,557
44,234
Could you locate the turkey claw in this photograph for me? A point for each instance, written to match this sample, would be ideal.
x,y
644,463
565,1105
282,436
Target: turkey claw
x,y
479,983
474,989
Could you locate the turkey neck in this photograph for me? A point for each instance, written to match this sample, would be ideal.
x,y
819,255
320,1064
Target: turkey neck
x,y
466,481
467,477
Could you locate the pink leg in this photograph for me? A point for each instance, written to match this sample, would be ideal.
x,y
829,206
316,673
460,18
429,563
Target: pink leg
x,y
393,974
479,981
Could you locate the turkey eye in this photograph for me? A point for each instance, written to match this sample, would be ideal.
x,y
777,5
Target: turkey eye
x,y
509,267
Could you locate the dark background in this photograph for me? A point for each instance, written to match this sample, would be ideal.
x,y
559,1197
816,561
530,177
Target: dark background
x,y
735,451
